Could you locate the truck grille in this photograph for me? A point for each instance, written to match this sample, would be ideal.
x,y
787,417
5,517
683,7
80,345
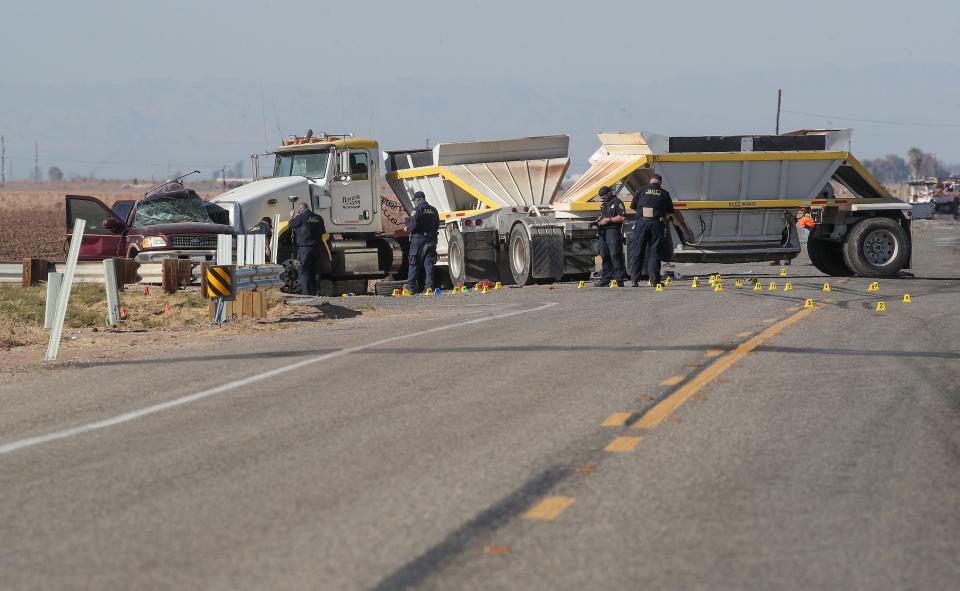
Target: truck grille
x,y
194,241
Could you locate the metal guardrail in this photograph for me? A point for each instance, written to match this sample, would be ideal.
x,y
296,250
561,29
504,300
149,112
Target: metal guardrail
x,y
90,272
259,277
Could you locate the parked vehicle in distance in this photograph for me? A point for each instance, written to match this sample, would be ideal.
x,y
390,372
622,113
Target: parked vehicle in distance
x,y
169,222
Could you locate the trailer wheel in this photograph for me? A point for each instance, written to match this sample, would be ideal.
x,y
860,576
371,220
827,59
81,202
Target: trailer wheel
x,y
877,247
291,276
457,258
827,257
519,253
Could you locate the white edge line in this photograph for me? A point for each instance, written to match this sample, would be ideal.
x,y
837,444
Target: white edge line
x,y
149,410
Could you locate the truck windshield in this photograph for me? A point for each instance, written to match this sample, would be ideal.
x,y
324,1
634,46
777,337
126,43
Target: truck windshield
x,y
308,164
164,210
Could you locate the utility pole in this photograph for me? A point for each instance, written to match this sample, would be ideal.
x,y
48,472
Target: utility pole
x,y
779,98
223,173
36,161
3,161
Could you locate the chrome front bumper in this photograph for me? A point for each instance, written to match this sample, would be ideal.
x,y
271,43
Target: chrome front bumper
x,y
156,256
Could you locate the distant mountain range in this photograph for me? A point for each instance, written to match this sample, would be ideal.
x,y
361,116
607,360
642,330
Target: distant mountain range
x,y
158,127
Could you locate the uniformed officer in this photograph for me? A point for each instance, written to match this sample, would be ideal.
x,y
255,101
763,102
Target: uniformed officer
x,y
264,226
610,231
652,203
308,230
423,225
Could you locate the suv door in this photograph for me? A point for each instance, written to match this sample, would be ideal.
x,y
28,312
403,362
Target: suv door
x,y
103,236
351,189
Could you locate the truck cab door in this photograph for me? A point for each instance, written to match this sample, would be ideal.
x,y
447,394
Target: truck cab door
x,y
351,189
104,233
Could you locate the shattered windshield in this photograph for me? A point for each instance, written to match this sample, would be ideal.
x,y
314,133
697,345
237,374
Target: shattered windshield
x,y
171,210
308,164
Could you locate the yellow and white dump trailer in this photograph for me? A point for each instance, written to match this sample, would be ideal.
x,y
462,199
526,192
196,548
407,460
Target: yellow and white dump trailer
x,y
337,176
495,202
737,197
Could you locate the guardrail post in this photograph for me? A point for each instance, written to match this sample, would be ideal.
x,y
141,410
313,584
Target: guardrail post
x,y
113,292
241,250
275,239
56,329
34,271
259,249
224,249
251,249
54,281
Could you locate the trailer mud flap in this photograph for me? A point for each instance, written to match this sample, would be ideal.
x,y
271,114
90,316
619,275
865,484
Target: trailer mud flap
x,y
546,252
480,254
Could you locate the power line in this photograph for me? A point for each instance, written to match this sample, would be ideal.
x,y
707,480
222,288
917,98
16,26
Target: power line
x,y
879,121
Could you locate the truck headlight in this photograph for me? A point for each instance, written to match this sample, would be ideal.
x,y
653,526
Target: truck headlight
x,y
153,242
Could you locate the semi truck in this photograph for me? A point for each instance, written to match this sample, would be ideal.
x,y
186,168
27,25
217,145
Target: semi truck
x,y
337,176
736,199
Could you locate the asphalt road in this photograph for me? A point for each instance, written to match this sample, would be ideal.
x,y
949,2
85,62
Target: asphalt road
x,y
535,438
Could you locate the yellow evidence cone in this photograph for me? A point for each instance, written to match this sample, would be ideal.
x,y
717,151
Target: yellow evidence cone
x,y
497,285
738,282
906,298
405,292
772,287
718,288
668,281
613,283
826,286
875,286
788,287
396,293
881,307
696,282
808,304
581,285
659,287
757,286
783,272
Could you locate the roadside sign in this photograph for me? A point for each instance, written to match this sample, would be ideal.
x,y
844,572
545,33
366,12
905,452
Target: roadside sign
x,y
222,282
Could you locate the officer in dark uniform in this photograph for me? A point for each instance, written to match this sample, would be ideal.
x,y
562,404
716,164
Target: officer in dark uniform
x,y
652,203
610,231
263,227
423,225
308,230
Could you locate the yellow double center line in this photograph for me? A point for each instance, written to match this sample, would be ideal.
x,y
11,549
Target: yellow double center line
x,y
668,405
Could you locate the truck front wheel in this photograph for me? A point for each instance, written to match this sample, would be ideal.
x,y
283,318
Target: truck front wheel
x,y
827,257
457,258
877,247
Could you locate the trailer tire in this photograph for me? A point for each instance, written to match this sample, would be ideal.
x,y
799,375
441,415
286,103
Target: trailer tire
x,y
457,258
827,257
877,247
291,276
519,253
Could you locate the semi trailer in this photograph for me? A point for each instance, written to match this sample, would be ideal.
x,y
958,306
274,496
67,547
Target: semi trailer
x,y
736,200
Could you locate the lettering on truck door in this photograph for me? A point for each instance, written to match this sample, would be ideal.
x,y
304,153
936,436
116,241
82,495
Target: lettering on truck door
x,y
351,189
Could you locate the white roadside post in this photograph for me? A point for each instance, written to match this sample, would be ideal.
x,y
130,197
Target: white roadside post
x,y
224,249
113,292
259,249
54,281
56,329
251,244
275,239
241,250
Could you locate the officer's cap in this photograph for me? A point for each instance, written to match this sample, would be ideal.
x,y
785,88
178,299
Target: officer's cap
x,y
419,196
604,191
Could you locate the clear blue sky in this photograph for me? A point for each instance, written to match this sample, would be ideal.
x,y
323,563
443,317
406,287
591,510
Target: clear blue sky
x,y
696,66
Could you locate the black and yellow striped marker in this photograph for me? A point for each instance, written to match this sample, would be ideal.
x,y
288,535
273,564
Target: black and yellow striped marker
x,y
222,282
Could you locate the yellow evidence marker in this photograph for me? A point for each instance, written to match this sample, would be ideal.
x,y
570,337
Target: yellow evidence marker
x,y
483,288
696,282
738,282
875,286
397,293
788,287
881,307
497,285
718,288
405,293
809,303
613,283
772,287
757,286
581,285
668,281
906,298
659,287
826,286
783,272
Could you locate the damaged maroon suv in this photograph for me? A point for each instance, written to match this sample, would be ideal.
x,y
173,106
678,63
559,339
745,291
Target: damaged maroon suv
x,y
169,222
